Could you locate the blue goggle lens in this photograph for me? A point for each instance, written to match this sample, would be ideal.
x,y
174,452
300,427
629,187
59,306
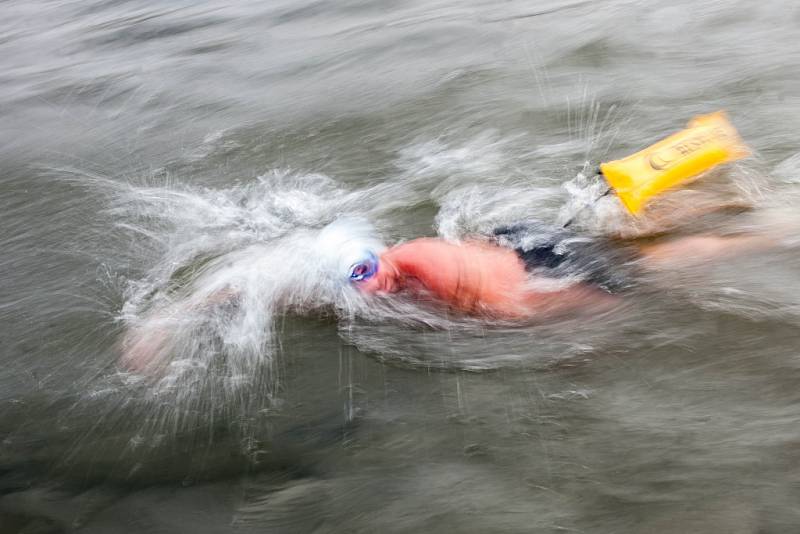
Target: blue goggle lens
x,y
365,269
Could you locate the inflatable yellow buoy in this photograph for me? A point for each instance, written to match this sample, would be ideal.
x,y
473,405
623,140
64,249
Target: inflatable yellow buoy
x,y
708,141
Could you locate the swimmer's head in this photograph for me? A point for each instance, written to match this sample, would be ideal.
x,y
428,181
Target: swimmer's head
x,y
350,250
364,269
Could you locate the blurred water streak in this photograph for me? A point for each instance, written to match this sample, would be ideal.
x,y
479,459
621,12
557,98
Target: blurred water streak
x,y
149,152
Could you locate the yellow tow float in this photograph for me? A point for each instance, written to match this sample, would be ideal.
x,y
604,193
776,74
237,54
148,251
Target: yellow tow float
x,y
708,141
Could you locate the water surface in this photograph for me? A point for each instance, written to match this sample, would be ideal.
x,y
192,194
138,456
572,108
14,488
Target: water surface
x,y
146,150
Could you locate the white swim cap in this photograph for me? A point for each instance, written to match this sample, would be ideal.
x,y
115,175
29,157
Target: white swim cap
x,y
350,248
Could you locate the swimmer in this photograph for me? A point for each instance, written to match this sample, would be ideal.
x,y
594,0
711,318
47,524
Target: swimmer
x,y
529,270
524,272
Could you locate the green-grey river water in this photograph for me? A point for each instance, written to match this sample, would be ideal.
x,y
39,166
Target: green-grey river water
x,y
149,148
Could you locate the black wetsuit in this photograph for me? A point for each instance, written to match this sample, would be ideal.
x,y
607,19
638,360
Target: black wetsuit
x,y
557,253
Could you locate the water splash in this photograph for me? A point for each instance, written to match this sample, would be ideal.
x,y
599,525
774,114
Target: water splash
x,y
220,269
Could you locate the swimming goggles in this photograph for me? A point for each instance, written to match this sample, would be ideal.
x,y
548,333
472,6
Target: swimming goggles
x,y
364,269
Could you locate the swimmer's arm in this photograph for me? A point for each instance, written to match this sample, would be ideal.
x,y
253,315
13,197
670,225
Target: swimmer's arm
x,y
147,346
224,296
702,248
661,221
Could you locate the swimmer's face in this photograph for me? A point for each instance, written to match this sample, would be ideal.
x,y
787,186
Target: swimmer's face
x,y
363,270
370,275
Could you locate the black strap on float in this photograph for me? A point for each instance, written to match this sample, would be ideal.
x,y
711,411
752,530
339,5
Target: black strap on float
x,y
587,204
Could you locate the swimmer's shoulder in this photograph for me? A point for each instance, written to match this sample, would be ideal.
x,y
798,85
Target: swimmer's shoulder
x,y
417,248
422,257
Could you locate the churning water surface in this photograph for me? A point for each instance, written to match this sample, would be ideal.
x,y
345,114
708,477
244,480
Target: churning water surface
x,y
154,157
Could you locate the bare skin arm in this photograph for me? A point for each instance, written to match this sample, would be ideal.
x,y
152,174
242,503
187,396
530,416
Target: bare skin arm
x,y
147,346
660,220
702,248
